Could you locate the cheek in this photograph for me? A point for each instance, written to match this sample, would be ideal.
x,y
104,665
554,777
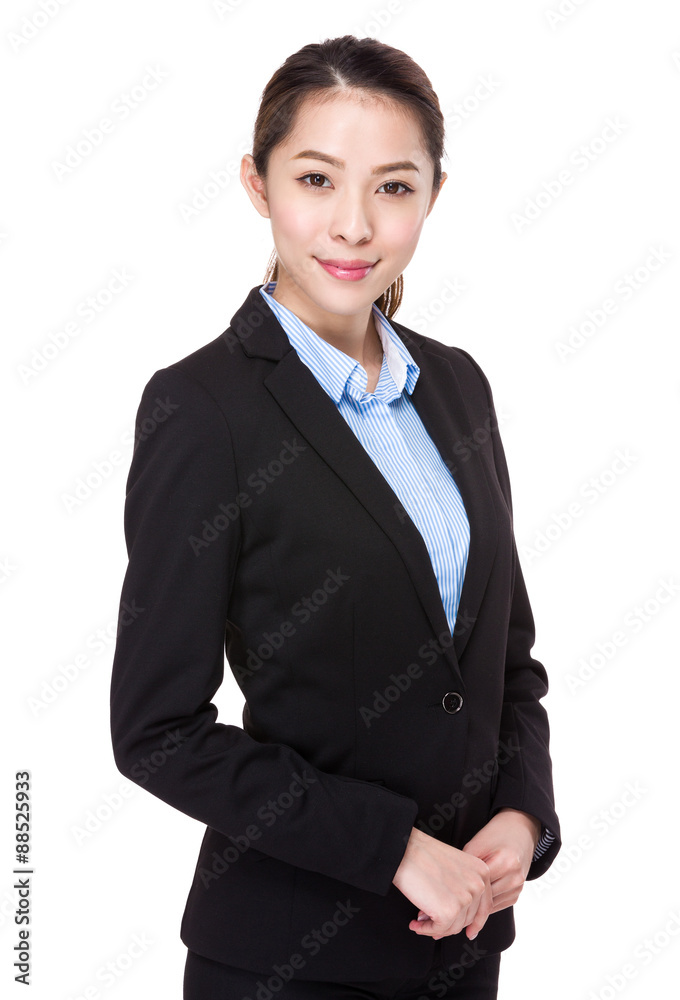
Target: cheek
x,y
403,233
294,221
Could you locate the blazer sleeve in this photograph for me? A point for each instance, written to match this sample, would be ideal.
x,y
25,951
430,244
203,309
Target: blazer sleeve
x,y
525,768
169,662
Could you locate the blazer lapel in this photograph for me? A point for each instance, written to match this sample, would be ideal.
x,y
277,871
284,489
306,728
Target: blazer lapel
x,y
439,403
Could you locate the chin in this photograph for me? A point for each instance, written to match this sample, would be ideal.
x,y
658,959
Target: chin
x,y
345,299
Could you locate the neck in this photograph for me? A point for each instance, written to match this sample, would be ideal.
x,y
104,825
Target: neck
x,y
356,335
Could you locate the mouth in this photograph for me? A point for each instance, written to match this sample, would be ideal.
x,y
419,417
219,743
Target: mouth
x,y
347,270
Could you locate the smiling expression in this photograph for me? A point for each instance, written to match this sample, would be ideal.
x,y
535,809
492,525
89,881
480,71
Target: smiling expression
x,y
352,185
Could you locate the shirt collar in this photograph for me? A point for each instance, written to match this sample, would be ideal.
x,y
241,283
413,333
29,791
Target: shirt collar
x,y
338,372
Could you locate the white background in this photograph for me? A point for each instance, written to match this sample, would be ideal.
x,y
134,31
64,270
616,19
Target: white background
x,y
524,291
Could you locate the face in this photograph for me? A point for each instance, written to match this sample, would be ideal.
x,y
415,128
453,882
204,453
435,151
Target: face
x,y
351,185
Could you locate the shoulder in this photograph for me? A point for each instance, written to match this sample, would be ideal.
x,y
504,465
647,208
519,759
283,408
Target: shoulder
x,y
200,376
207,365
468,371
191,391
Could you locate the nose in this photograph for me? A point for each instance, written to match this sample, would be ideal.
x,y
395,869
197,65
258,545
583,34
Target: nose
x,y
350,220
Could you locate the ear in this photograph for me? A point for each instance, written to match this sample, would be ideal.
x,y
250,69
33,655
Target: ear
x,y
254,185
435,194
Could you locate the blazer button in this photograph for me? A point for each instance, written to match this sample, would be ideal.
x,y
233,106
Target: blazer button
x,y
452,702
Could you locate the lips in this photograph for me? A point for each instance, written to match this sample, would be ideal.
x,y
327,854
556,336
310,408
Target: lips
x,y
347,270
347,265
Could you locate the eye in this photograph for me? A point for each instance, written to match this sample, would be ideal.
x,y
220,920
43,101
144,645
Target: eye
x,y
393,194
390,194
322,176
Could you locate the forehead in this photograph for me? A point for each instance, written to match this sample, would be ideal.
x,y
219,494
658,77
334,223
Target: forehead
x,y
349,118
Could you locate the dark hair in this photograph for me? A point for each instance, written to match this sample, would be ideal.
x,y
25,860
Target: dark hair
x,y
335,65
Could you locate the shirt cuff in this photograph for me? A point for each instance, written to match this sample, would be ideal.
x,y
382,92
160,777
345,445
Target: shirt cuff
x,y
544,842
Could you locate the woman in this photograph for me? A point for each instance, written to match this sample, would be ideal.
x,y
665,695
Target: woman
x,y
323,492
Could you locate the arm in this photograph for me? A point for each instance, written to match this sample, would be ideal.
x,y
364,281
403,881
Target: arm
x,y
525,778
169,662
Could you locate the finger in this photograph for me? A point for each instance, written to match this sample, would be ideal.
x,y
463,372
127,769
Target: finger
x,y
422,925
426,928
506,898
501,885
484,908
493,861
497,907
506,886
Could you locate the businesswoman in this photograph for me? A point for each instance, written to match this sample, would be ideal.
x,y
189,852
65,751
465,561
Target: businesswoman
x,y
322,493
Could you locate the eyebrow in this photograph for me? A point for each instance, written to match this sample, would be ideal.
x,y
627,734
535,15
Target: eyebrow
x,y
384,168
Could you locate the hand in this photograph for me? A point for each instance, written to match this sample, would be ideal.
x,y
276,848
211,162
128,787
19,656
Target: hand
x,y
506,844
453,888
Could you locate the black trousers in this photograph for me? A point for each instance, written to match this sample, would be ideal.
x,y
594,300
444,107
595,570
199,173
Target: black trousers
x,y
205,979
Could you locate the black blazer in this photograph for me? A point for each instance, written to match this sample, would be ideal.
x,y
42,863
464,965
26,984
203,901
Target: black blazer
x,y
255,521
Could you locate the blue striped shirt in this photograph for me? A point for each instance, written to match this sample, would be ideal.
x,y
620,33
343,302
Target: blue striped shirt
x,y
391,431
389,428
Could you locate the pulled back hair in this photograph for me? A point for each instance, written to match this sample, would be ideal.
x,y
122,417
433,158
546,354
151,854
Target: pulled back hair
x,y
325,70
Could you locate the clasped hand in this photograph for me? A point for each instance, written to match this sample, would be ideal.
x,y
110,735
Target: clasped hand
x,y
456,889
